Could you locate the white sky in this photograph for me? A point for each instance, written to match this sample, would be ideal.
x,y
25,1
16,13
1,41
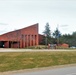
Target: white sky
x,y
17,14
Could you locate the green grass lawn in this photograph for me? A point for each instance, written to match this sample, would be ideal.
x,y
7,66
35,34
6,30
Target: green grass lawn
x,y
17,61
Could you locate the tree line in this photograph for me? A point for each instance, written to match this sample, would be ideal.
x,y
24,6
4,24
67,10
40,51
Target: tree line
x,y
57,38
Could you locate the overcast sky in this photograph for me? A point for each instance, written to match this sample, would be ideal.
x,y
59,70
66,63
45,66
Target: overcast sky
x,y
16,14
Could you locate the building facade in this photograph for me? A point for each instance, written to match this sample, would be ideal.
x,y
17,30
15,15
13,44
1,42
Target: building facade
x,y
20,38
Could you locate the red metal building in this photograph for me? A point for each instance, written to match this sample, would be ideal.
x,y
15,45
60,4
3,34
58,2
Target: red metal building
x,y
20,38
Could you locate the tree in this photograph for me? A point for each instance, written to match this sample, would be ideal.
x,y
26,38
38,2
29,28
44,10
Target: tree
x,y
69,39
74,34
47,33
57,35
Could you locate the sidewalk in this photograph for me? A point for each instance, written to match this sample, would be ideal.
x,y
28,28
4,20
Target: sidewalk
x,y
31,50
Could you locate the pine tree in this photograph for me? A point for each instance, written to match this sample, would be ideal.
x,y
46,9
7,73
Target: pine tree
x,y
47,33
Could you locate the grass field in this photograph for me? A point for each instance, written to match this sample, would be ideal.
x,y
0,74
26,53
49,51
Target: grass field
x,y
26,60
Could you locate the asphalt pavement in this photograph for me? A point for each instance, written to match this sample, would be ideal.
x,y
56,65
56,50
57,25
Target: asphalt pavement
x,y
57,71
